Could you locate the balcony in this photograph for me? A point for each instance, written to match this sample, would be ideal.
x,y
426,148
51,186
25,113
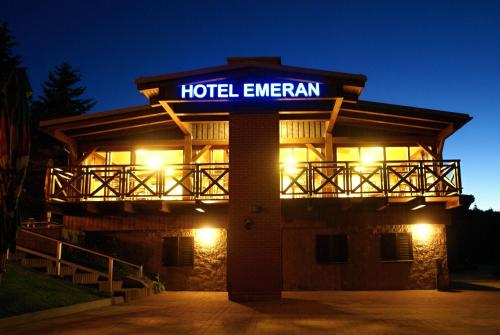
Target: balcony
x,y
211,181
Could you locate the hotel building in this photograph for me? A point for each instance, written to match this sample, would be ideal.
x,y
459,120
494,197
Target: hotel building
x,y
256,177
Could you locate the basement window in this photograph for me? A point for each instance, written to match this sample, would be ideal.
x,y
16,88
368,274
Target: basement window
x,y
332,249
396,247
178,251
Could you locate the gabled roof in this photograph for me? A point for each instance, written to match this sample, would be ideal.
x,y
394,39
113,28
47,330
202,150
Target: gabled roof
x,y
157,87
352,117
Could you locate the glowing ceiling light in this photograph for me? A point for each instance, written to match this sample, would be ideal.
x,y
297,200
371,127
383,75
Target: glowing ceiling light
x,y
418,203
140,152
368,159
153,162
198,206
422,232
290,165
169,171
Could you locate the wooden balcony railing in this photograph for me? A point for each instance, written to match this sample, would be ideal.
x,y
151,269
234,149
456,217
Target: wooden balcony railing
x,y
128,182
211,181
355,179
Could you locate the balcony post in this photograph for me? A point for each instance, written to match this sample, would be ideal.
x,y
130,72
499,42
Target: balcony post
x,y
188,157
58,258
422,177
110,274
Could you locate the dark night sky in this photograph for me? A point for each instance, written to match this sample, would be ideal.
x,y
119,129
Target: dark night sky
x,y
434,54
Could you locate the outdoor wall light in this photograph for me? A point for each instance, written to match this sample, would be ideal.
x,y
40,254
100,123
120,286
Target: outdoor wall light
x,y
198,206
418,203
206,237
422,232
248,224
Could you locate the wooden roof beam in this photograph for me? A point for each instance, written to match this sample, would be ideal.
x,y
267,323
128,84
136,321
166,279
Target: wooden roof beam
x,y
111,120
428,150
334,114
442,137
71,143
201,153
86,155
175,118
110,130
316,151
403,125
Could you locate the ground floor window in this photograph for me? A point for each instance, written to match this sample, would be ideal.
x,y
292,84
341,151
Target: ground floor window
x,y
178,251
331,249
396,247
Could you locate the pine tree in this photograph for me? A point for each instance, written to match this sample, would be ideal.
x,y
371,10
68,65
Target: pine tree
x,y
8,60
61,96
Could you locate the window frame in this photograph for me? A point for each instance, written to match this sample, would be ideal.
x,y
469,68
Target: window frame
x,y
397,246
177,258
333,245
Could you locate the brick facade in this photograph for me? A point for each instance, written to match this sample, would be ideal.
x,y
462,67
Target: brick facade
x,y
254,232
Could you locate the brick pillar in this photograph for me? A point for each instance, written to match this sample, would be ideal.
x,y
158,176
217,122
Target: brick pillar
x,y
254,232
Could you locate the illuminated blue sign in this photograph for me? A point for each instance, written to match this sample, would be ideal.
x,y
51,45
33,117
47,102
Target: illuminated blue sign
x,y
251,90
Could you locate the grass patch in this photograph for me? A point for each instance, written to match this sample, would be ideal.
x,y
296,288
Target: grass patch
x,y
25,290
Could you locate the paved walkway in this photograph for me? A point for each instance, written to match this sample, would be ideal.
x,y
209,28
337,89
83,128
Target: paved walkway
x,y
358,312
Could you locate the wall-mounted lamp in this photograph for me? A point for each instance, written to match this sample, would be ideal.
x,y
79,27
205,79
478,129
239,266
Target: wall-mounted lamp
x,y
422,232
248,224
418,203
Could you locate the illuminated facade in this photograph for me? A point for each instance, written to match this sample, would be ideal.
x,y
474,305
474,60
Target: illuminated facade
x,y
257,177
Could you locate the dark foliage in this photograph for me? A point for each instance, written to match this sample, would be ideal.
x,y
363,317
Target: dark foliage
x,y
61,97
8,60
473,238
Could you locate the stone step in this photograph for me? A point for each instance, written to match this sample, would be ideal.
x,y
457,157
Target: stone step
x,y
65,270
85,278
37,263
117,285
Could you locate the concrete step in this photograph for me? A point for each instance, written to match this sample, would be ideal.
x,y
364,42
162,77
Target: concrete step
x,y
117,285
65,270
85,278
37,263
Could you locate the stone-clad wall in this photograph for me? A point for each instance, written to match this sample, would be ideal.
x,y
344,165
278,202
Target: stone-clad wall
x,y
144,246
208,272
363,226
364,270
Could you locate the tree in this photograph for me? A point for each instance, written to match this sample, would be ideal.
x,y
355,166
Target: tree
x,y
8,60
15,92
61,96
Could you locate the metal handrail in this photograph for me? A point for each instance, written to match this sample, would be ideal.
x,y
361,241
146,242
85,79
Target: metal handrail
x,y
81,248
58,258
